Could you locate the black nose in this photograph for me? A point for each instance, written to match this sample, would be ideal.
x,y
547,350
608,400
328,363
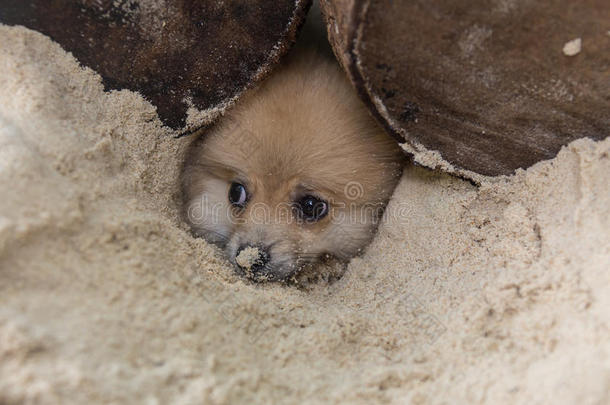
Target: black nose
x,y
252,258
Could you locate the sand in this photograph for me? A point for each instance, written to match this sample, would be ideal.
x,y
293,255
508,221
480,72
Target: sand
x,y
497,293
573,47
248,257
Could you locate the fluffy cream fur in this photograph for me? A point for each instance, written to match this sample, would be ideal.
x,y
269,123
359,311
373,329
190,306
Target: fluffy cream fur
x,y
303,132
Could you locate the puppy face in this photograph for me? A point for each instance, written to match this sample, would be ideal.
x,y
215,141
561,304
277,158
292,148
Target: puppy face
x,y
299,170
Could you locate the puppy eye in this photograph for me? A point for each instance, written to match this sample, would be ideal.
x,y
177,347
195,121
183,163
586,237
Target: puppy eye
x,y
312,208
238,195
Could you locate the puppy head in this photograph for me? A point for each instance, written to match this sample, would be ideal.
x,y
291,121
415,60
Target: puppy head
x,y
298,171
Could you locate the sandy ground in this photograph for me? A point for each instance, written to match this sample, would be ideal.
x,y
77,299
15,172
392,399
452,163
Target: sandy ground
x,y
491,294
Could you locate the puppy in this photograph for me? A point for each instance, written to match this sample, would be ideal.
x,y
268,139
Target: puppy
x,y
297,171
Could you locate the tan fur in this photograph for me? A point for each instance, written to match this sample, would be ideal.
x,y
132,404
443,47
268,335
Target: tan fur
x,y
303,131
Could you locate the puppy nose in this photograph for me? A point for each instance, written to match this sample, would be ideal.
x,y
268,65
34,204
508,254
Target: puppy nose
x,y
252,258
